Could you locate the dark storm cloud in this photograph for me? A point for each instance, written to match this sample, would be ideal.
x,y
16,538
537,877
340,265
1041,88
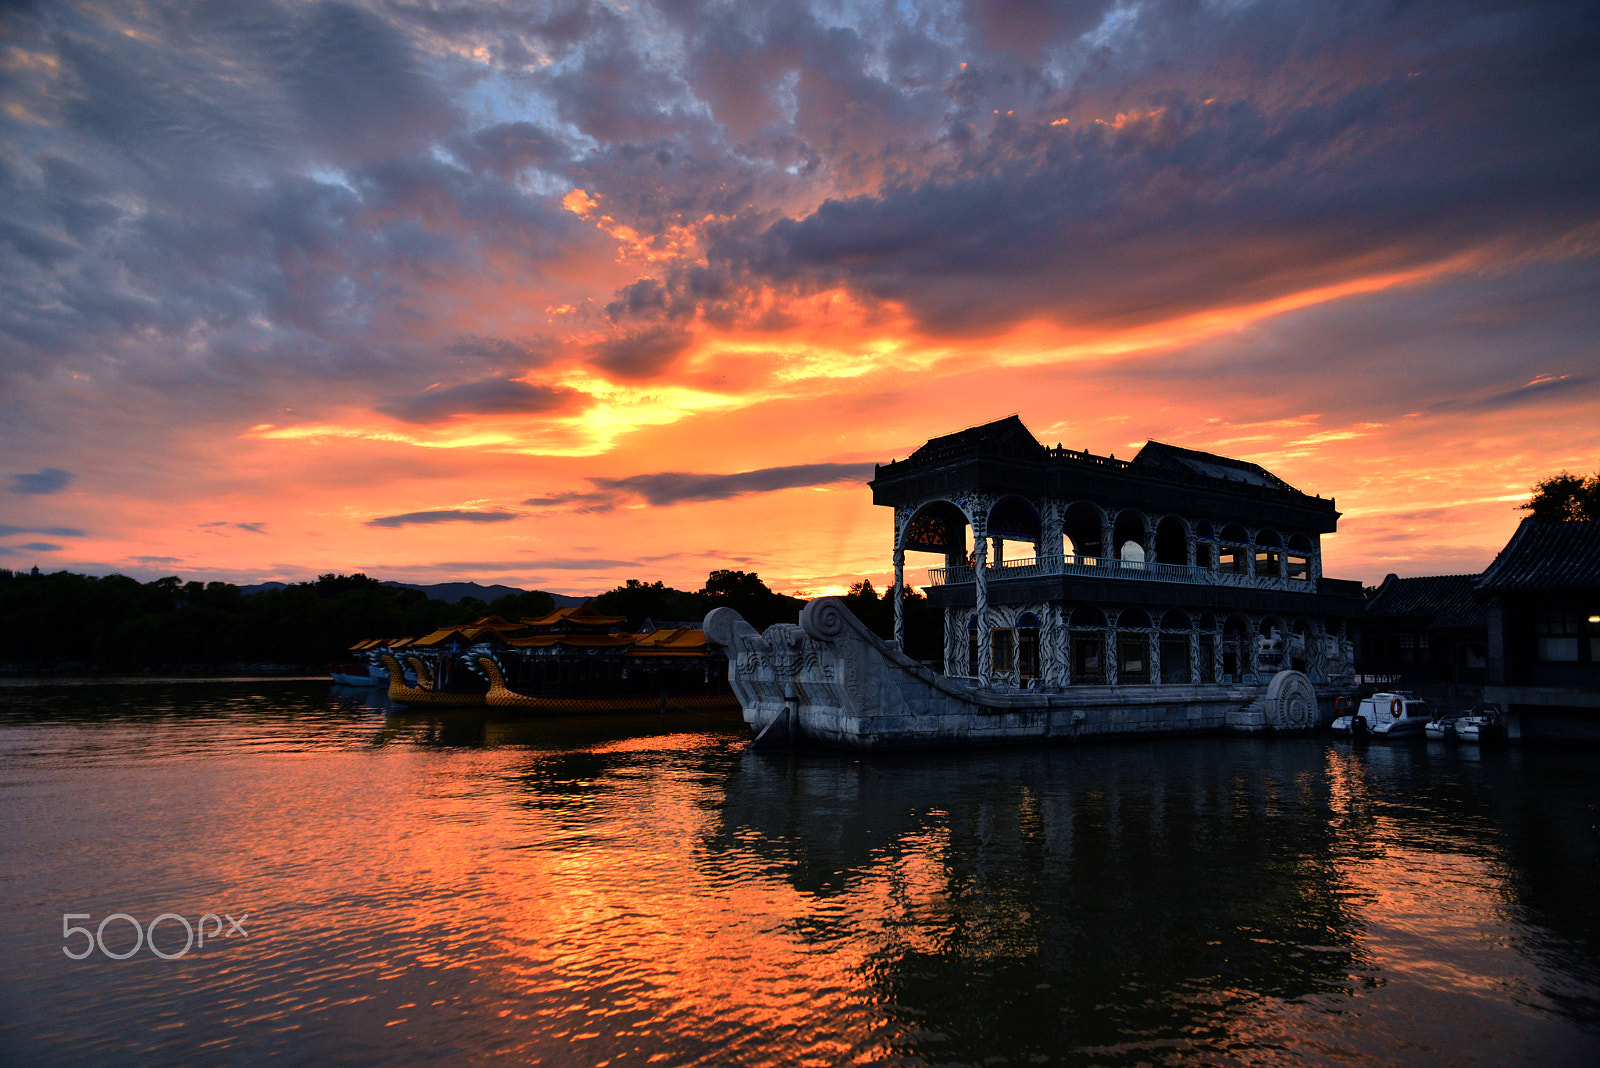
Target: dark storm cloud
x,y
44,481
1520,334
1193,173
663,488
42,546
490,396
643,353
227,202
454,515
53,532
1562,387
213,212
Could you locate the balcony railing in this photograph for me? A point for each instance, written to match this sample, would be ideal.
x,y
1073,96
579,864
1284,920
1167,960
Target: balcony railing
x,y
1110,567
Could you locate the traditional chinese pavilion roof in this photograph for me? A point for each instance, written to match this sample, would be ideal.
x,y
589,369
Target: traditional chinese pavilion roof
x,y
1439,602
1004,437
495,623
679,641
1003,458
1546,557
582,616
441,637
1159,457
574,641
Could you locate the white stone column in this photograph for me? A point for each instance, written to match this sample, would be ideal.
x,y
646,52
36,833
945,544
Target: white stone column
x,y
1107,532
1154,638
1194,654
955,642
1050,551
1111,672
980,575
1050,659
899,597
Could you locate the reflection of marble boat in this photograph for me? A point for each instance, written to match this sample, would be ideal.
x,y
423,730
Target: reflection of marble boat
x,y
829,679
1387,715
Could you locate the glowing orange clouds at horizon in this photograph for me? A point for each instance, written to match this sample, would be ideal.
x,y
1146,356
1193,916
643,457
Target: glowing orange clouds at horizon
x,y
839,380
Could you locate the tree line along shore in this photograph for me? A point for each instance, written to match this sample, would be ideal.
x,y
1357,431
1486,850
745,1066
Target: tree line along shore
x,y
66,623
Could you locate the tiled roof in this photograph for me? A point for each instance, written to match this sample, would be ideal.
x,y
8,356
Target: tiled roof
x,y
1546,556
1160,455
574,641
1004,437
1445,602
583,615
677,638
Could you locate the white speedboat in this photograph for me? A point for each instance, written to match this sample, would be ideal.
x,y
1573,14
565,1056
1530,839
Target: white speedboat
x,y
1440,727
1398,714
1482,725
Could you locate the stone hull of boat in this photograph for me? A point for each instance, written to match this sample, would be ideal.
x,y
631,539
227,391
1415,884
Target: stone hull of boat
x,y
829,680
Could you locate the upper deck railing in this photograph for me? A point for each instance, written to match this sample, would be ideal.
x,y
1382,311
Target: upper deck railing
x,y
1110,567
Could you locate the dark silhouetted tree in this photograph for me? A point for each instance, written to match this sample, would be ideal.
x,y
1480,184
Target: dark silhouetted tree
x,y
749,596
1565,496
640,601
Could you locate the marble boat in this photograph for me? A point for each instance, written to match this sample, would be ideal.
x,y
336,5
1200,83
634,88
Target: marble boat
x,y
829,680
1081,596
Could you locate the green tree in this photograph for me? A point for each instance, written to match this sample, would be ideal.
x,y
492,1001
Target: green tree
x,y
1565,496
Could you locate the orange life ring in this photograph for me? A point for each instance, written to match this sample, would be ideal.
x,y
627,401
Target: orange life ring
x,y
1397,708
1341,703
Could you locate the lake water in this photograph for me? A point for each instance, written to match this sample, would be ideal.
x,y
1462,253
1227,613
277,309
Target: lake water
x,y
466,889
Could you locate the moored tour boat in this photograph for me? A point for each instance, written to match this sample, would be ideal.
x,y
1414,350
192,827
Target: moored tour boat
x,y
1396,714
574,660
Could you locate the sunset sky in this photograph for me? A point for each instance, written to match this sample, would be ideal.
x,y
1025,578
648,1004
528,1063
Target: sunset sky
x,y
556,295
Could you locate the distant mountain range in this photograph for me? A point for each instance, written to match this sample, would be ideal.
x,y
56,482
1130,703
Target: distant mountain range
x,y
446,591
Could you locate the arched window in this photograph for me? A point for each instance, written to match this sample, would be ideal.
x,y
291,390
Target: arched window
x,y
1081,527
1269,554
1233,550
1027,646
1013,519
1172,541
940,527
1175,648
1133,646
1129,534
1297,558
1088,641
